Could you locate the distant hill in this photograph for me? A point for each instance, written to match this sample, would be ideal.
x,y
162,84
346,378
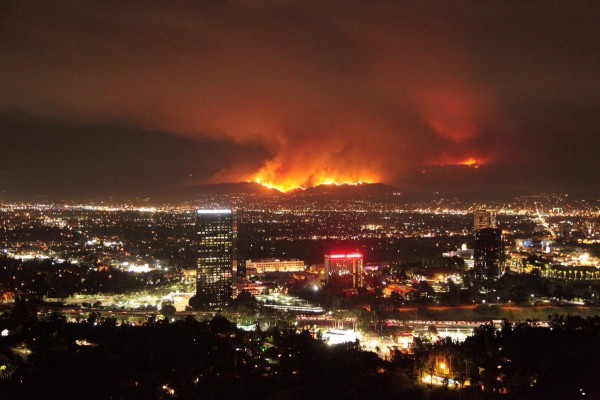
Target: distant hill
x,y
346,190
233,188
343,190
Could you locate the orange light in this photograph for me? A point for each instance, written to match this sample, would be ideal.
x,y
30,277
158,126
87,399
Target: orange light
x,y
283,176
469,161
473,162
286,185
282,188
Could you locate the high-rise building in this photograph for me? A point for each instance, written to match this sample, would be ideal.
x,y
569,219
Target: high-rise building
x,y
488,253
344,271
216,255
240,269
483,219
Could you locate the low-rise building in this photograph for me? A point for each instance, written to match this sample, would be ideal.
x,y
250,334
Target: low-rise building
x,y
274,265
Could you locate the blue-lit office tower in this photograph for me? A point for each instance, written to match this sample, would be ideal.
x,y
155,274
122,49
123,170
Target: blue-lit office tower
x,y
216,255
488,254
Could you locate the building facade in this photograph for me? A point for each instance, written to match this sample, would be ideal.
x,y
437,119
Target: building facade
x,y
217,232
488,254
344,271
483,219
273,265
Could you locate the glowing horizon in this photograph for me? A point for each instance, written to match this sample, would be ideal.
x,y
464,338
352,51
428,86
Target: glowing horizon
x,y
471,161
287,185
295,182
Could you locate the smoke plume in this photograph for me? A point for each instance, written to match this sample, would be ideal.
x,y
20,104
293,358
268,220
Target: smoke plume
x,y
332,92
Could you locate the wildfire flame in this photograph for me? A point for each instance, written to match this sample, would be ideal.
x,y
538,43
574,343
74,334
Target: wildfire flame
x,y
280,187
287,186
470,162
473,162
285,177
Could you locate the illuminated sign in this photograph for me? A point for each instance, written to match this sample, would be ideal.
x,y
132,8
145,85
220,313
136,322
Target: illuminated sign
x,y
353,255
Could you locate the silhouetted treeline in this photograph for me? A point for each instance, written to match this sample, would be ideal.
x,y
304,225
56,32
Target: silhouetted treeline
x,y
187,359
52,278
524,360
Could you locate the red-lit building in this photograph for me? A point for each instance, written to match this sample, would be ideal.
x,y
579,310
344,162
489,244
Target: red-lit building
x,y
344,271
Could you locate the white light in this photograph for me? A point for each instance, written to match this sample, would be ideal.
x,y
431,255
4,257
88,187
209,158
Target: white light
x,y
338,336
218,211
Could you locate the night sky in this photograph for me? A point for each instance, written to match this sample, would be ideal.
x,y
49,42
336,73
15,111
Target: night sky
x,y
106,98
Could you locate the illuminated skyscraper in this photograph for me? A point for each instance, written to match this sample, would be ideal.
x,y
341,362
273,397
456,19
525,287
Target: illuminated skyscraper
x,y
488,254
344,271
216,254
483,219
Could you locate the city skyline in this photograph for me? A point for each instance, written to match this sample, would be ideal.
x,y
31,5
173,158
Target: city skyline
x,y
139,100
418,292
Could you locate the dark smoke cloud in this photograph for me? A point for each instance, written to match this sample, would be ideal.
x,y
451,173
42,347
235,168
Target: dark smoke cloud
x,y
348,91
